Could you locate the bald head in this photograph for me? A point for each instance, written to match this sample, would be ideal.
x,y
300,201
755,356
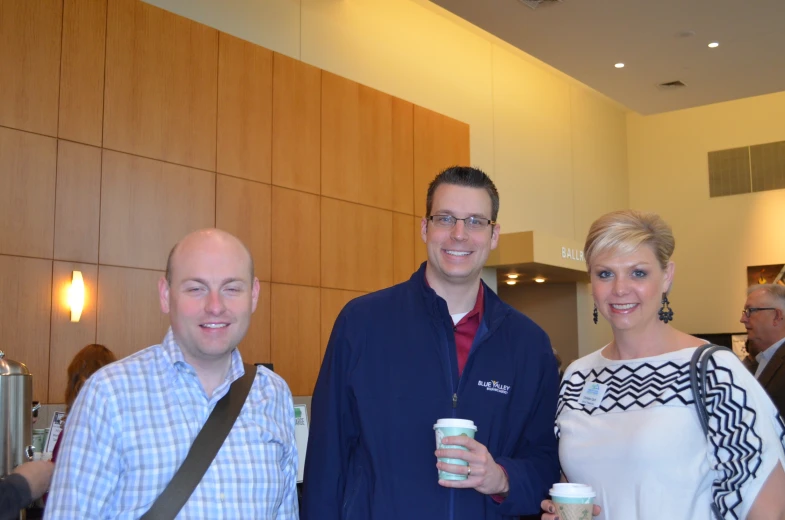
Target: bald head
x,y
203,237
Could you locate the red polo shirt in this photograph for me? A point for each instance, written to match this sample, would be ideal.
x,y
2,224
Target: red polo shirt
x,y
466,329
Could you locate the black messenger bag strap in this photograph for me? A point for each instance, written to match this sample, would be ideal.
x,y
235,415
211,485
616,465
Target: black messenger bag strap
x,y
698,384
206,445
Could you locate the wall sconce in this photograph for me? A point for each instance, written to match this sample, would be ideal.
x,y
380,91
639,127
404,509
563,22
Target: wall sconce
x,y
76,296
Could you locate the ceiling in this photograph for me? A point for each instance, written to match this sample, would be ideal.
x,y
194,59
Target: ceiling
x,y
658,41
552,274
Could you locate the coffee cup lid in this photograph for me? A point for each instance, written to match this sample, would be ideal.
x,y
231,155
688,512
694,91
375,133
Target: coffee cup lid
x,y
568,489
455,423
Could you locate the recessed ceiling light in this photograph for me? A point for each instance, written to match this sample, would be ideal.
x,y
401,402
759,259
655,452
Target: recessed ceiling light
x,y
713,45
619,65
539,279
512,276
512,282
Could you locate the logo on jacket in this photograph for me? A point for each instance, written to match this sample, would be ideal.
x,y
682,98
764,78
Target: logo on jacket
x,y
494,386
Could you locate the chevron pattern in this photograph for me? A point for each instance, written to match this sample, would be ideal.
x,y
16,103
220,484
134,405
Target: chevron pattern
x,y
735,448
630,387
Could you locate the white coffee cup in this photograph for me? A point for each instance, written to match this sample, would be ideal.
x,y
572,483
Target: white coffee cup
x,y
452,428
573,501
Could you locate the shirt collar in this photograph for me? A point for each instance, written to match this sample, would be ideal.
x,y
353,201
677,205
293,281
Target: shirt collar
x,y
767,354
174,354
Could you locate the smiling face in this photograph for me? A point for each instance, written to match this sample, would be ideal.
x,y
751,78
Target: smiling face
x,y
627,288
457,255
211,297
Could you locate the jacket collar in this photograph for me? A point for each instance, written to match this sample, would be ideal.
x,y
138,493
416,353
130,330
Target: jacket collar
x,y
773,365
494,310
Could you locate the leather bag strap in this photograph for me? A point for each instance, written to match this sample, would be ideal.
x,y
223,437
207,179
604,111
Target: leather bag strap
x,y
698,383
206,445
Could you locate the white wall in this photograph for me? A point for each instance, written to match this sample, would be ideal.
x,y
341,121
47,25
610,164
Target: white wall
x,y
716,238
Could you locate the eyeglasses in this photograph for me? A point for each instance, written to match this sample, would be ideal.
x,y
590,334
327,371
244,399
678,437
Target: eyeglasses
x,y
750,310
470,223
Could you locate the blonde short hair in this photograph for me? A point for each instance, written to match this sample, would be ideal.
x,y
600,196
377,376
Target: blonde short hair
x,y
622,232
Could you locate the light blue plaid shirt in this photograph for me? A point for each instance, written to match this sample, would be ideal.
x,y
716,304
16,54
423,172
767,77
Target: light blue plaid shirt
x,y
133,424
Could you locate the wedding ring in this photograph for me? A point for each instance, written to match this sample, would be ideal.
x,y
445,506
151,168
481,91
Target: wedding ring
x,y
469,471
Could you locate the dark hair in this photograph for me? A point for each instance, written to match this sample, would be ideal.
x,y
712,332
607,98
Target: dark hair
x,y
464,176
85,363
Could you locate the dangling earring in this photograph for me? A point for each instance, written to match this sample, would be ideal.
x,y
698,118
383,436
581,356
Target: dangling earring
x,y
666,313
594,314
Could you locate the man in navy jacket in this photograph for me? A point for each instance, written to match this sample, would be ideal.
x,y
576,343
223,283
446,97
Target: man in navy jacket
x,y
439,345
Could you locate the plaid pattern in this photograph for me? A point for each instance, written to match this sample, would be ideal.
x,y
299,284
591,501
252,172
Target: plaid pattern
x,y
133,424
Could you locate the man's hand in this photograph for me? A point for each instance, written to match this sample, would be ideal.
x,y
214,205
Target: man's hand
x,y
38,475
484,474
550,509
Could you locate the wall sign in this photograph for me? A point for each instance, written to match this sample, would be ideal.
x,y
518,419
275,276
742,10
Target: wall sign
x,y
572,254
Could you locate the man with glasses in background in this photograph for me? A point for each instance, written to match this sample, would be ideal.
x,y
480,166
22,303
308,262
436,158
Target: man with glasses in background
x,y
441,345
764,318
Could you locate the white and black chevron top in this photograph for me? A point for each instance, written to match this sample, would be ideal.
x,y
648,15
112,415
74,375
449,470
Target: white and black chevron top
x,y
629,429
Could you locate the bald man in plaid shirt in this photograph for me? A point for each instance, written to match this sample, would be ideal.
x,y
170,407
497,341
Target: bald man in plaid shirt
x,y
135,420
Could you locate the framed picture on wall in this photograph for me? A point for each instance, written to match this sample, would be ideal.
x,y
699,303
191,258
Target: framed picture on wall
x,y
760,274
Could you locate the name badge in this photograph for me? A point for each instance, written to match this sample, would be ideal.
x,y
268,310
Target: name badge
x,y
592,394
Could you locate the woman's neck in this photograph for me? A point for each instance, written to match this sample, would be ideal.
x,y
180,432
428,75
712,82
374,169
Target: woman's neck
x,y
652,340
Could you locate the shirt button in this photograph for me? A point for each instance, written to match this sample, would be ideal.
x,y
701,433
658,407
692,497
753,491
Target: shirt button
x,y
221,496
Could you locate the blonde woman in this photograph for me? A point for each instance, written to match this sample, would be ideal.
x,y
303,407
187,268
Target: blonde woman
x,y
626,417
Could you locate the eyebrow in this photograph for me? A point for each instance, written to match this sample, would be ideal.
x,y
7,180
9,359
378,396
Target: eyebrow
x,y
452,213
223,282
632,266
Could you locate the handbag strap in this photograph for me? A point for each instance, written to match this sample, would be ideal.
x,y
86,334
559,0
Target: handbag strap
x,y
698,384
203,450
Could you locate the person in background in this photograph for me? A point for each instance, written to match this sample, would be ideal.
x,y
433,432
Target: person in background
x,y
626,416
85,363
134,421
28,482
440,345
764,318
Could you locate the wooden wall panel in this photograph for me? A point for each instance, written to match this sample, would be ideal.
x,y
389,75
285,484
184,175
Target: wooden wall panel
x,y
357,143
82,71
255,347
129,311
403,157
78,202
243,208
297,117
356,246
295,336
245,105
161,85
30,64
420,252
295,237
439,142
27,193
403,247
68,337
147,206
333,301
25,306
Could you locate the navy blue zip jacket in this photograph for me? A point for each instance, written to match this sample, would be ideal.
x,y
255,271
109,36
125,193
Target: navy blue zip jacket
x,y
389,372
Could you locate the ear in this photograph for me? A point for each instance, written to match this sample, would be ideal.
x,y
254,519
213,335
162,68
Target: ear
x,y
670,270
163,294
424,229
497,229
255,294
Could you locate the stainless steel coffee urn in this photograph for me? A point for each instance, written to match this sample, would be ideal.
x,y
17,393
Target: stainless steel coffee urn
x,y
16,394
